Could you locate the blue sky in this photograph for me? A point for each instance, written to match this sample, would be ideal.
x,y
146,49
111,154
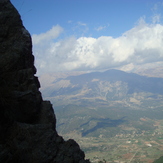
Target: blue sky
x,y
70,35
84,17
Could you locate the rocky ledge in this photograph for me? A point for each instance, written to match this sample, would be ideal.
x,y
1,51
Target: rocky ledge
x,y
27,123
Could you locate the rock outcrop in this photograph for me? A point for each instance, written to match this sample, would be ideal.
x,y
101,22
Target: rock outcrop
x,y
27,123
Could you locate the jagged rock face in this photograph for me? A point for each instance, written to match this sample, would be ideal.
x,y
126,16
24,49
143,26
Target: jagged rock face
x,y
27,123
17,67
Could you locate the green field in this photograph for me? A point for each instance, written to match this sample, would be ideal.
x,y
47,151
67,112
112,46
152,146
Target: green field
x,y
113,134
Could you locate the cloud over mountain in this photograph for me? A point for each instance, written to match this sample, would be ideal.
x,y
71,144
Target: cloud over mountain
x,y
140,45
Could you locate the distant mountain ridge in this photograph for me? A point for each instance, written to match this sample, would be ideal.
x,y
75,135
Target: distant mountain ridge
x,y
111,85
134,81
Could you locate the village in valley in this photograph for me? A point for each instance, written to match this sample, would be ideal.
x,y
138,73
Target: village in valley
x,y
136,147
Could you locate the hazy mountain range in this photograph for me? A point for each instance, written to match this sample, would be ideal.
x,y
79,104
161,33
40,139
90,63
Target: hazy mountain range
x,y
111,86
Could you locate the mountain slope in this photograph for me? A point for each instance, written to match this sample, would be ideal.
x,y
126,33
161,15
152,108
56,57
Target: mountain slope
x,y
104,87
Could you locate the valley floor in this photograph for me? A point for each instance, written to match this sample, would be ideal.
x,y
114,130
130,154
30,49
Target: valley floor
x,y
142,147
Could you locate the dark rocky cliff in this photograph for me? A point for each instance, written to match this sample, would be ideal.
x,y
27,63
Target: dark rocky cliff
x,y
27,123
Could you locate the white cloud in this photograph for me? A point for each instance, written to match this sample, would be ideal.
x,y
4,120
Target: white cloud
x,y
157,6
53,33
156,18
100,28
157,9
140,45
70,21
82,24
79,27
